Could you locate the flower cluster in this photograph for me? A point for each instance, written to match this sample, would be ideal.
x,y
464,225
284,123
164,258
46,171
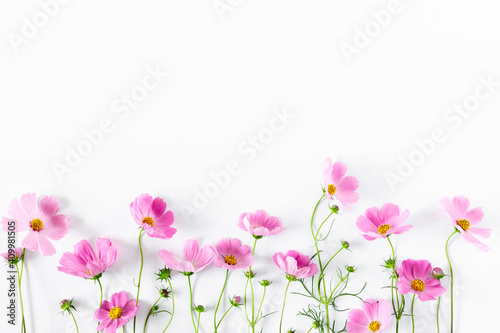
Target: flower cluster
x,y
415,278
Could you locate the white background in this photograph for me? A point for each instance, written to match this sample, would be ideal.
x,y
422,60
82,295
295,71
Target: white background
x,y
229,72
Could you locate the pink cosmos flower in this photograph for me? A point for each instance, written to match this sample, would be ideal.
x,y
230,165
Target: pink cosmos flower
x,y
41,221
462,220
85,263
373,317
195,258
13,255
415,277
231,254
259,224
338,186
382,223
151,216
295,265
115,313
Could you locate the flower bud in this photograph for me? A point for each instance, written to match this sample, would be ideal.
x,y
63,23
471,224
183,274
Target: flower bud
x,y
200,308
390,263
163,274
251,273
165,293
67,305
335,209
345,244
315,324
265,283
350,269
291,331
235,301
437,273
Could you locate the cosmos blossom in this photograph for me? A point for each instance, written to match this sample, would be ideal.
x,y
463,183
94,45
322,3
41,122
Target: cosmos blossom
x,y
464,220
415,277
382,223
85,263
231,254
195,259
295,265
116,312
374,316
337,185
40,220
259,224
152,216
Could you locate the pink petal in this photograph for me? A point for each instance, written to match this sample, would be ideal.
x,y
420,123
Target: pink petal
x,y
129,310
119,299
460,205
105,323
169,259
338,171
474,216
47,207
481,232
28,204
365,225
158,207
191,249
106,251
36,241
55,227
473,240
347,184
101,314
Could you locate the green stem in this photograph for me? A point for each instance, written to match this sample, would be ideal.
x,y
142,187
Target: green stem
x,y
220,298
220,321
321,225
394,288
140,275
173,305
284,302
191,303
333,257
198,326
437,313
20,277
451,276
261,302
412,317
71,312
100,303
321,275
149,314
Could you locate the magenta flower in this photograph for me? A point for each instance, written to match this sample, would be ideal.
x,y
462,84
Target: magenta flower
x,y
231,254
337,186
415,277
374,316
85,262
14,255
115,313
151,216
195,258
41,221
382,223
259,224
295,265
462,219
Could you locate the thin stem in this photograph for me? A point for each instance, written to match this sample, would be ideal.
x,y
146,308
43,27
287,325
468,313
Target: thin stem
x,y
191,303
220,321
71,312
100,303
245,300
220,298
20,276
412,317
261,302
321,225
173,305
284,302
437,313
149,314
395,288
140,275
451,275
251,284
333,257
198,326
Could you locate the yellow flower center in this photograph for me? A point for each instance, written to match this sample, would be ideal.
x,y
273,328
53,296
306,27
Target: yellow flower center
x,y
331,189
230,260
464,224
148,220
374,326
382,229
115,313
36,225
418,285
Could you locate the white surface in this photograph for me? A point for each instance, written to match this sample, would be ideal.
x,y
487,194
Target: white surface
x,y
226,80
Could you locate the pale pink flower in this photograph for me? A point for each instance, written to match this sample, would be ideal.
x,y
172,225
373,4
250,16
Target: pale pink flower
x,y
41,221
231,254
13,255
374,316
337,186
295,265
415,277
382,223
259,224
463,219
195,259
151,216
115,313
85,262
